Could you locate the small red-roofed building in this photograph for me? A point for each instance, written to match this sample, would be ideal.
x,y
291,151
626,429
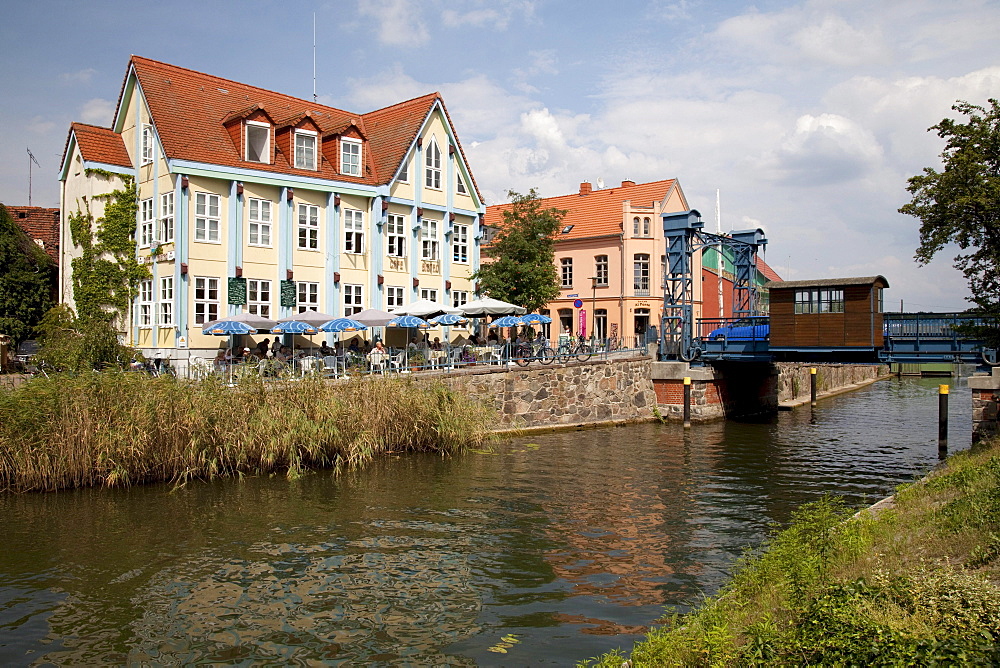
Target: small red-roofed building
x,y
41,224
253,201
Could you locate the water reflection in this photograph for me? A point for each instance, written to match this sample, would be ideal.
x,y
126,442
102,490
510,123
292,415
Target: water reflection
x,y
574,542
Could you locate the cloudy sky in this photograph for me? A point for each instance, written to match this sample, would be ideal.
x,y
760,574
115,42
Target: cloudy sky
x,y
807,117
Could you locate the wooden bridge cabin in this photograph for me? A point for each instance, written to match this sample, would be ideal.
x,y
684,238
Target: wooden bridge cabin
x,y
827,315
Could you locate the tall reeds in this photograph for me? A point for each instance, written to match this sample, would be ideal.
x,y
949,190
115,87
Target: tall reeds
x,y
111,429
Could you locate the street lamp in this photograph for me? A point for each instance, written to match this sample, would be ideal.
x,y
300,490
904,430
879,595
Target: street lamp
x,y
593,310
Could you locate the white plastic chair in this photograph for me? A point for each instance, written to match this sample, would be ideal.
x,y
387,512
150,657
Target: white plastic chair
x,y
378,362
398,362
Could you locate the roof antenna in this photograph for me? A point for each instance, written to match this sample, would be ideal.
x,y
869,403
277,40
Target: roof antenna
x,y
32,160
314,57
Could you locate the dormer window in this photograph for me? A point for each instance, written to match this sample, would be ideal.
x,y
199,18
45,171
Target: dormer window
x,y
350,157
305,149
258,142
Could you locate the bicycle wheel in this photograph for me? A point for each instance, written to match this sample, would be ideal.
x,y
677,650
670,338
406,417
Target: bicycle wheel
x,y
546,355
584,352
522,355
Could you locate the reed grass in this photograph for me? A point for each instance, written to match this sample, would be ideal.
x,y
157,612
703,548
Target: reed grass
x,y
113,429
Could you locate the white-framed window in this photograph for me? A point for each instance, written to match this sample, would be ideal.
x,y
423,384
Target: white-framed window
x,y
352,300
601,269
147,144
206,299
259,297
640,274
404,172
165,312
258,142
429,293
395,232
432,166
147,222
146,303
165,228
260,221
308,296
350,157
645,227
459,298
308,227
393,297
460,243
206,217
429,244
567,272
305,149
460,185
354,231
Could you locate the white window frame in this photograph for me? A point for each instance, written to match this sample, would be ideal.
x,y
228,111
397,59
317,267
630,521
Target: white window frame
x,y
350,156
147,145
206,299
353,299
432,165
430,294
147,222
602,270
404,172
266,153
259,226
354,231
394,296
460,244
430,245
460,184
259,297
305,154
641,276
145,318
165,223
308,296
165,305
207,218
395,232
308,233
566,273
459,298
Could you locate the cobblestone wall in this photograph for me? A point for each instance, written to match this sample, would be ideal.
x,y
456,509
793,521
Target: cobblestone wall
x,y
985,395
793,378
562,395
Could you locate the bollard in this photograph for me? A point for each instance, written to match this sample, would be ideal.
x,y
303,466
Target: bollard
x,y
942,421
687,402
812,386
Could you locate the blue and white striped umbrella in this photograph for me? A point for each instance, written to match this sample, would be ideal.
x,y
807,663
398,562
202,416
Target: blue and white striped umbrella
x,y
506,321
408,321
227,328
342,325
293,327
534,319
448,319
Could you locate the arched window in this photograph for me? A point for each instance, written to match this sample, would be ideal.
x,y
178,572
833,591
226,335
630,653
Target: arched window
x,y
432,166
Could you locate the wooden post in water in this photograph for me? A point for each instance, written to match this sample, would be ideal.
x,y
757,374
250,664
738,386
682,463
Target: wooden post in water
x,y
942,421
687,402
812,386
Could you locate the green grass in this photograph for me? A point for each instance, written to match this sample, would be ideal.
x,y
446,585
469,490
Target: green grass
x,y
914,584
113,429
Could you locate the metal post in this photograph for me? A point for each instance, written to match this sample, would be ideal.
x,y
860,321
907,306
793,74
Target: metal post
x,y
942,421
812,386
687,402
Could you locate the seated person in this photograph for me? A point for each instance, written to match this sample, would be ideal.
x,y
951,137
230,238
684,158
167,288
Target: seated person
x,y
540,339
492,337
474,340
221,358
412,345
354,347
263,347
284,354
378,354
325,350
436,345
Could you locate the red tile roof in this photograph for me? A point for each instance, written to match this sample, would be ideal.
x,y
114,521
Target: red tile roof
x,y
598,212
39,223
99,144
189,110
765,269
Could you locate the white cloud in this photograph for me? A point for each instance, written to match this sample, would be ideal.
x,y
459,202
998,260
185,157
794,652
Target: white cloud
x,y
497,14
82,76
97,111
40,126
400,22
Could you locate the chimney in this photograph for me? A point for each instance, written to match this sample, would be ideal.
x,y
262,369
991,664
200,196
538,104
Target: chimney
x,y
627,182
585,188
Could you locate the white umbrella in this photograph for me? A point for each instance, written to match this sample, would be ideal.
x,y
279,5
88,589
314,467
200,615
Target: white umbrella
x,y
490,306
314,318
424,308
373,317
255,321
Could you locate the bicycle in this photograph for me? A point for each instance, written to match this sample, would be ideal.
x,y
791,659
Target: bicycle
x,y
525,354
568,351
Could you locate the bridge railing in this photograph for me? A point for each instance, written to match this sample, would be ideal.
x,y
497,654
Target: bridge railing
x,y
930,325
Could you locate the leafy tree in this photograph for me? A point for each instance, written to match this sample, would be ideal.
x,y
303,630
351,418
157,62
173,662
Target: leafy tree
x,y
69,343
522,269
27,275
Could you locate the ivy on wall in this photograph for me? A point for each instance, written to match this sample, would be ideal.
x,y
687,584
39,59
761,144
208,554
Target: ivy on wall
x,y
107,274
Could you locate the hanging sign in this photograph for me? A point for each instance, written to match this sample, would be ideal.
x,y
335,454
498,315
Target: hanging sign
x,y
288,297
237,291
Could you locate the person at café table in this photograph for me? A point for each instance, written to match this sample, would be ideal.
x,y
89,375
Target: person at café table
x,y
326,350
378,352
492,337
284,354
221,358
413,344
540,339
263,347
437,344
247,354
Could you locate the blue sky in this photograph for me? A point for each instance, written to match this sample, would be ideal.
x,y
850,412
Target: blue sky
x,y
807,116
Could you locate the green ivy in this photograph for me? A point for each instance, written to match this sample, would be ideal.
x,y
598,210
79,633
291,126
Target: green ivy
x,y
107,274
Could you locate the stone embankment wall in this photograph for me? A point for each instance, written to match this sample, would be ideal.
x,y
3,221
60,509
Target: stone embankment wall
x,y
793,378
563,394
985,396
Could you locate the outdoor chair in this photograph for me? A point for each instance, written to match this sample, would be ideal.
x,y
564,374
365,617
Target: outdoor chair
x,y
398,362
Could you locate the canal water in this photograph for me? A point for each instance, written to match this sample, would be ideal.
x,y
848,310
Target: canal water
x,y
548,550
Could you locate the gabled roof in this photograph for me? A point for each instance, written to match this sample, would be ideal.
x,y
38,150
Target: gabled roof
x,y
98,144
189,108
597,212
765,269
829,282
41,224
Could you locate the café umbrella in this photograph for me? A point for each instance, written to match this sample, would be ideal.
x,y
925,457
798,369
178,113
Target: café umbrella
x,y
227,328
535,319
294,327
409,321
506,321
448,319
337,325
490,306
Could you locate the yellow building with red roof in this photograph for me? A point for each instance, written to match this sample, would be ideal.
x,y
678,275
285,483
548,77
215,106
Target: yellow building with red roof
x,y
260,202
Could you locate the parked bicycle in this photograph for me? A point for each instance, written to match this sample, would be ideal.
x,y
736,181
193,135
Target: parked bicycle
x,y
526,353
568,351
